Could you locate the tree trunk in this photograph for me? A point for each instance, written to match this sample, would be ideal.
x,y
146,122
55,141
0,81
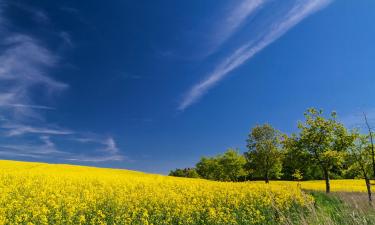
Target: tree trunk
x,y
326,177
372,145
266,178
368,186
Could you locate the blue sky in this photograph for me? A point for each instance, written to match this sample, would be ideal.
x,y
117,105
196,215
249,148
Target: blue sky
x,y
152,86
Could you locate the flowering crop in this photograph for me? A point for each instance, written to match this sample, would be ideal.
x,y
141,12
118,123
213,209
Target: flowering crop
x,y
348,185
344,185
356,185
38,193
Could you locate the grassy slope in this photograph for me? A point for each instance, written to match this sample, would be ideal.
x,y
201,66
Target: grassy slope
x,y
342,207
43,193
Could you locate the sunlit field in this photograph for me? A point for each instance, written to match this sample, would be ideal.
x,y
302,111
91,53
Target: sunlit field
x,y
62,194
357,185
37,193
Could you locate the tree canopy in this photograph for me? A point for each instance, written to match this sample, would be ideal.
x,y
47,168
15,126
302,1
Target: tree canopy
x,y
264,152
326,140
322,148
225,167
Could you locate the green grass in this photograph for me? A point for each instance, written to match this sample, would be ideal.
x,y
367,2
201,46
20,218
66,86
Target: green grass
x,y
340,208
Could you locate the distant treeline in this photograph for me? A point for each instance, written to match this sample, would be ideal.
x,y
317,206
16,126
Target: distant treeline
x,y
323,148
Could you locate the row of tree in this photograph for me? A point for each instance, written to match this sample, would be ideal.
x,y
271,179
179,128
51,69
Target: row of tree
x,y
323,148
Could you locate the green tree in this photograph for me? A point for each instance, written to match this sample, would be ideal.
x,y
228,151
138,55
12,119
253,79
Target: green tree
x,y
209,168
186,172
225,167
297,175
233,164
264,152
295,158
360,160
371,137
325,140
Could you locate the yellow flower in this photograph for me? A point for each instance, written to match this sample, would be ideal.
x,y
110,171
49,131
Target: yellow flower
x,y
38,193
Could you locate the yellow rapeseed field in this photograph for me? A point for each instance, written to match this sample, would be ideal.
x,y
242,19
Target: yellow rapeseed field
x,y
337,185
39,193
357,185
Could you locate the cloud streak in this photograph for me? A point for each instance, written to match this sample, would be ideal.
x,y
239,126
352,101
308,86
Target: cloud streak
x,y
109,143
25,64
110,146
25,67
100,149
107,152
44,149
234,19
212,32
28,106
19,129
300,10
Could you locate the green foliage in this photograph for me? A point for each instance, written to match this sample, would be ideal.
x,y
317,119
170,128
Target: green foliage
x,y
297,175
264,152
295,158
233,164
325,140
209,168
226,167
323,147
186,172
359,157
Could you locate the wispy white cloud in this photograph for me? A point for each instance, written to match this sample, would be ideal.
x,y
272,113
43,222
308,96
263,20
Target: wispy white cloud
x,y
26,61
25,66
36,14
300,10
85,158
101,149
20,129
95,148
66,37
44,149
213,31
47,142
107,151
27,106
232,20
110,146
